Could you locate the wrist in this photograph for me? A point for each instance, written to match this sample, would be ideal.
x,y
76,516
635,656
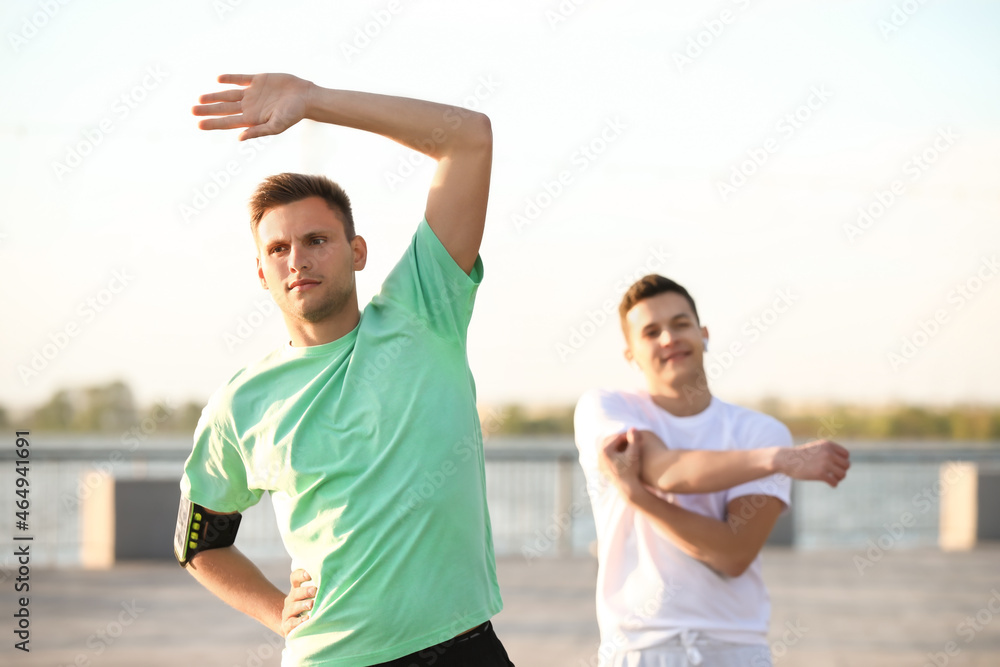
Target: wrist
x,y
634,492
777,460
312,95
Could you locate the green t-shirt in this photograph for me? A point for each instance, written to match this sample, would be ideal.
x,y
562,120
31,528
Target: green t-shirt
x,y
371,449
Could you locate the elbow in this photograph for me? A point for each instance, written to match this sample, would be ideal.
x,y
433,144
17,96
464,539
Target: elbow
x,y
673,482
478,131
735,569
735,565
668,484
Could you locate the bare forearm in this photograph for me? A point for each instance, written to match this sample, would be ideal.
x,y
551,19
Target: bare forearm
x,y
436,130
700,471
709,540
234,579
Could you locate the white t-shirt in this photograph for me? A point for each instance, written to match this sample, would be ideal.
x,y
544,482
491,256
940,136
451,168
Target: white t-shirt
x,y
648,590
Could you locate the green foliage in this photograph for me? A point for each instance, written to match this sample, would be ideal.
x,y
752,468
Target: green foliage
x,y
106,408
888,423
518,420
111,408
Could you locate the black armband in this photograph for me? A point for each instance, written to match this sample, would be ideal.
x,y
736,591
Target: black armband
x,y
198,530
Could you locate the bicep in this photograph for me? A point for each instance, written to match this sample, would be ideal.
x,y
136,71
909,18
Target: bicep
x,y
456,204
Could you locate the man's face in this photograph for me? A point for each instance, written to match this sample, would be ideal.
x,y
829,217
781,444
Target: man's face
x,y
305,260
665,340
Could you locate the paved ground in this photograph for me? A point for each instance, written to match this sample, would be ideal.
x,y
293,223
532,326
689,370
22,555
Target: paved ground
x,y
903,610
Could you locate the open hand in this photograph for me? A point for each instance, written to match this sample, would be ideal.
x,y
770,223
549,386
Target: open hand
x,y
819,460
269,104
298,602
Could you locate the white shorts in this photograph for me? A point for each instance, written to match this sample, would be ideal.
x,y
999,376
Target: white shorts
x,y
691,650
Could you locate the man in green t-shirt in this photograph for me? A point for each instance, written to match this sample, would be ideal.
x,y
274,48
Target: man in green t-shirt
x,y
363,425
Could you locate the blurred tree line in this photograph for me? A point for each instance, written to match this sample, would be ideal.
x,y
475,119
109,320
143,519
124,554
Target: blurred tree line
x,y
834,421
895,422
109,408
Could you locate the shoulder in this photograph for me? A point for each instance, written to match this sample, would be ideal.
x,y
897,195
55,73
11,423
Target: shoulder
x,y
602,400
751,424
227,394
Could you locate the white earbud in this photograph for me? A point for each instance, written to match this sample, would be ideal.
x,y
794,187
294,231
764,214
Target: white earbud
x,y
704,342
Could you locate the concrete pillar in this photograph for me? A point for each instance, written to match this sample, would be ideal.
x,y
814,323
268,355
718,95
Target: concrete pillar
x,y
958,480
97,521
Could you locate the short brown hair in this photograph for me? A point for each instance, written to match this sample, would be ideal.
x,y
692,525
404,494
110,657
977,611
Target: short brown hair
x,y
288,188
649,286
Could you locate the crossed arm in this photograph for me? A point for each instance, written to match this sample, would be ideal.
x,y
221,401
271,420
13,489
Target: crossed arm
x,y
701,471
636,460
461,141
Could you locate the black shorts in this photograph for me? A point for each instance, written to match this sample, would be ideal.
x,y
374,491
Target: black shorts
x,y
479,647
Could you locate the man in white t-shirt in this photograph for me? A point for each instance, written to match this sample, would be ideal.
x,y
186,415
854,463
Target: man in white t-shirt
x,y
685,494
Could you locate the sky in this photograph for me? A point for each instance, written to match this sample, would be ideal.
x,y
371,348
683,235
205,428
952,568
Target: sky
x,y
823,178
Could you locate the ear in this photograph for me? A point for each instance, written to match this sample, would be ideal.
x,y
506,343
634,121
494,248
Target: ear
x,y
704,332
260,273
360,249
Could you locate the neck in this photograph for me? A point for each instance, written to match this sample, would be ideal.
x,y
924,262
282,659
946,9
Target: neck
x,y
304,333
682,399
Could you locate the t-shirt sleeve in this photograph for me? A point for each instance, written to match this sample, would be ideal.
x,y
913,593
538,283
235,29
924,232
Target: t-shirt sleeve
x,y
215,474
594,420
768,433
598,415
432,287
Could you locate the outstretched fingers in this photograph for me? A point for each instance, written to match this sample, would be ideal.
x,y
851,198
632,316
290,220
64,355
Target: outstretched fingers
x,y
223,123
225,105
236,79
231,95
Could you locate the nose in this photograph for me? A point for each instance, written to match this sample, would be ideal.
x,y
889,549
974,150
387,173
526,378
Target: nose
x,y
665,338
298,258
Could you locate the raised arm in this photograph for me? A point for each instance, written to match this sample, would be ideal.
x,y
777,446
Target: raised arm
x,y
703,471
461,141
